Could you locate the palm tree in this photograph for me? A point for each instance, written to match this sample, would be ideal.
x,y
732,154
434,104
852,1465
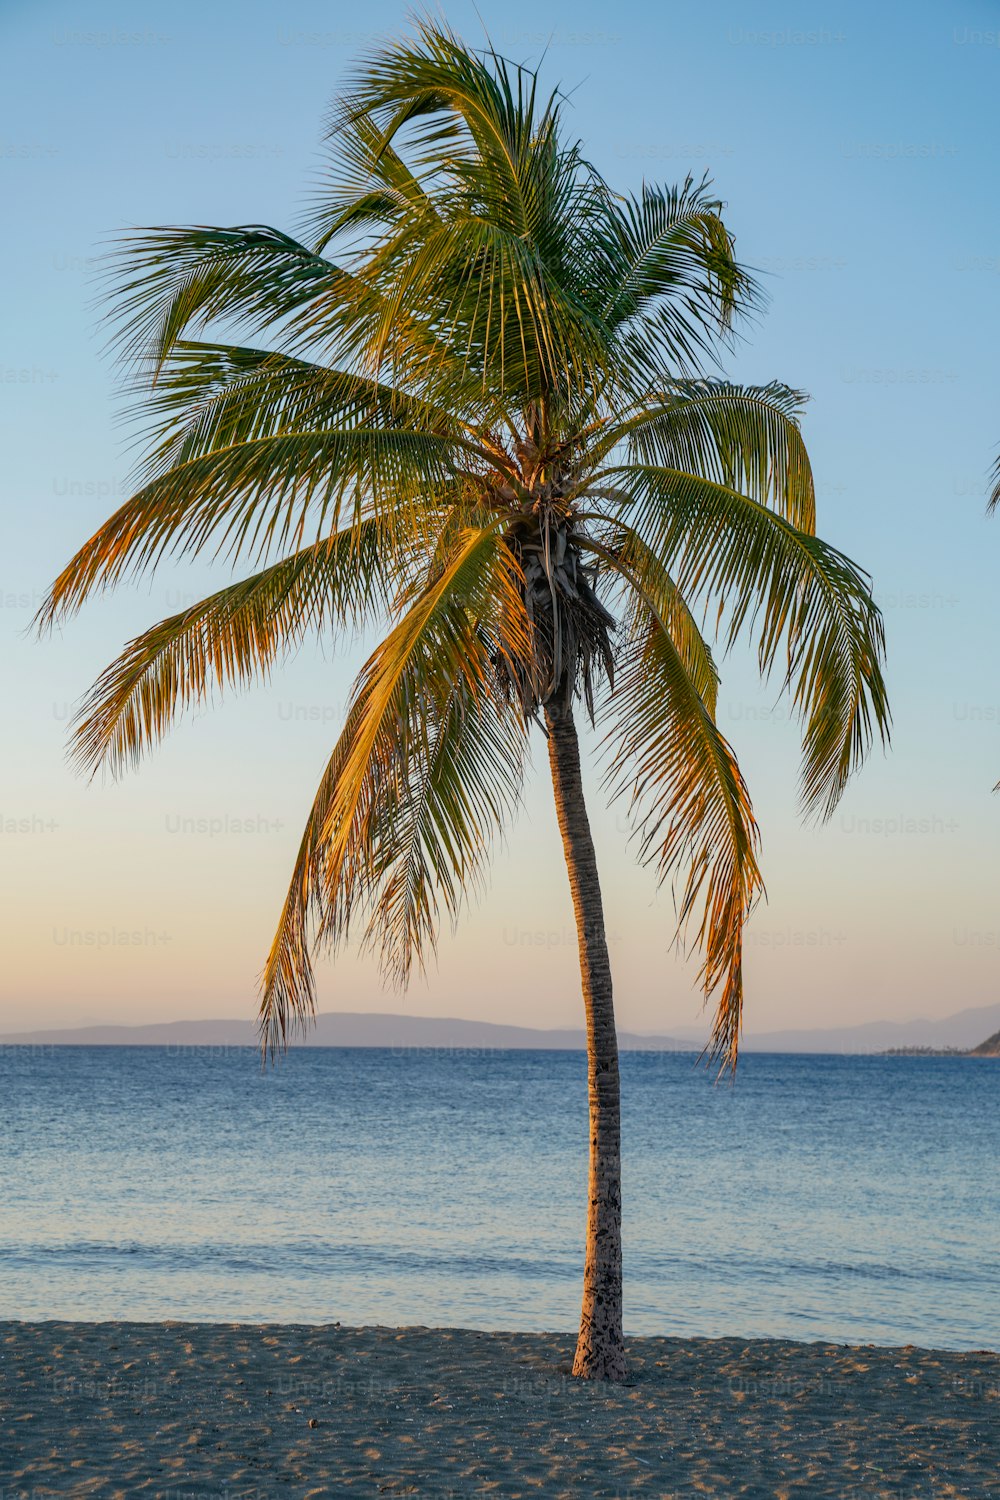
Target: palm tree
x,y
992,504
473,407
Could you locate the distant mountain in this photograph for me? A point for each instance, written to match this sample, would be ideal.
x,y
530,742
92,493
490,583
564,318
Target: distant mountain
x,y
345,1029
964,1030
989,1048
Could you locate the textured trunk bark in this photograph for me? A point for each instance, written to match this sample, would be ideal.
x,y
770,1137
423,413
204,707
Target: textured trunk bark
x,y
600,1350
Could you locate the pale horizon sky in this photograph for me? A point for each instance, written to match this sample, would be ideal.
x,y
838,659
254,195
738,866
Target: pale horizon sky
x,y
855,148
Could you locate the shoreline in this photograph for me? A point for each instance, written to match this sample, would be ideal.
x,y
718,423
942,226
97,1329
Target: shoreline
x,y
180,1409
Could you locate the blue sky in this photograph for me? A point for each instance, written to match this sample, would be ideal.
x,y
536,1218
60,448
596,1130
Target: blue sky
x,y
855,148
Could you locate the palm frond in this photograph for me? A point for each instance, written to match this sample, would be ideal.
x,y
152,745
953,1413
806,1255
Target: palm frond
x,y
484,232
994,500
255,498
809,604
231,638
165,282
686,795
213,396
458,108
671,281
427,768
370,186
625,553
744,437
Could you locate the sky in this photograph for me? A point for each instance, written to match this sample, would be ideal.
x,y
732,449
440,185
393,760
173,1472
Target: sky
x,y
855,147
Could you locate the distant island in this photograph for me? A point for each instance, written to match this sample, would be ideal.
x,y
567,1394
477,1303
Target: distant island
x,y
989,1048
928,1052
956,1035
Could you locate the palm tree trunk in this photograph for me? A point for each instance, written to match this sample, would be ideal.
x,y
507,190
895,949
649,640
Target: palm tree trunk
x,y
600,1350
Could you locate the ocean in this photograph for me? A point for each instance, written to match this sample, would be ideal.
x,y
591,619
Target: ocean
x,y
850,1199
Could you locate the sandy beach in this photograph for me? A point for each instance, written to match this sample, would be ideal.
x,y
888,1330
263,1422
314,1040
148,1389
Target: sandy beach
x,y
181,1410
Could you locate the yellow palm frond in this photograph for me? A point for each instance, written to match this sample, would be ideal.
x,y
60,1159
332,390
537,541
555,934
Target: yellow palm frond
x,y
428,766
231,638
258,497
691,807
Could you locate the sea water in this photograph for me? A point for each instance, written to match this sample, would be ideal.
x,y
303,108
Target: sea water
x,y
854,1199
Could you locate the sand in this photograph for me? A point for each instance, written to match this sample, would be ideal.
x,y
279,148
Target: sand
x,y
184,1410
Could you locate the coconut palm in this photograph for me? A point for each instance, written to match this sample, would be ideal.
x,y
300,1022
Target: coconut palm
x,y
994,502
473,408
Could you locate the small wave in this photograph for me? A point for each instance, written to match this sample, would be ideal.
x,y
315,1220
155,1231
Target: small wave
x,y
655,1266
286,1257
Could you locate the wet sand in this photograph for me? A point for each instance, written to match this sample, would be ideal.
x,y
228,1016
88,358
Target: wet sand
x,y
184,1410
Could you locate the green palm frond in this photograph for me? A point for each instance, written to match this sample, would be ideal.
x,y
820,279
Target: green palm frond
x,y
460,108
167,282
213,396
370,186
463,756
811,607
490,249
671,280
744,437
501,304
